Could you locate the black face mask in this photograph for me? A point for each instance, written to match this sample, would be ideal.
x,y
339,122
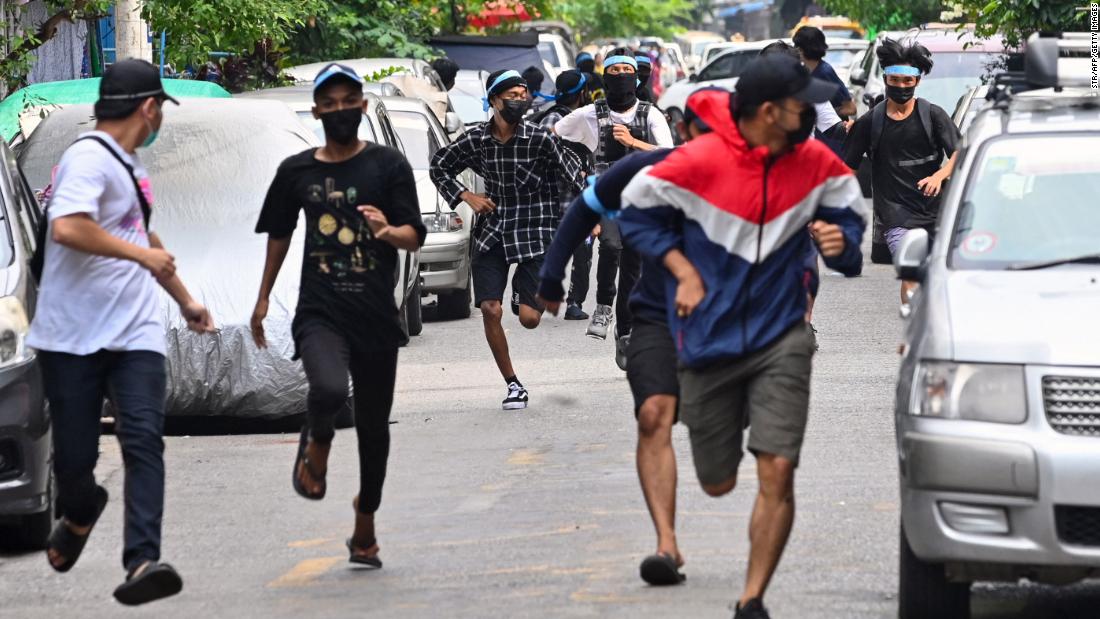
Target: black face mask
x,y
900,94
513,110
806,120
621,90
643,77
342,126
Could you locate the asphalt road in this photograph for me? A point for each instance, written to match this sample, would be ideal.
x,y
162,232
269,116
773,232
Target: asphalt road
x,y
534,513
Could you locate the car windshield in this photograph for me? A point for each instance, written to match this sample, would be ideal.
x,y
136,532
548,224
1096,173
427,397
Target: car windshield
x,y
548,53
1033,200
413,129
953,74
840,58
366,129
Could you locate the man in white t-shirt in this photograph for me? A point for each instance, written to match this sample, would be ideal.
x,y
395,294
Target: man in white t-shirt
x,y
612,128
99,331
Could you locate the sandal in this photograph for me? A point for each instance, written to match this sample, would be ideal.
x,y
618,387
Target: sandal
x,y
300,460
356,555
661,570
149,582
69,544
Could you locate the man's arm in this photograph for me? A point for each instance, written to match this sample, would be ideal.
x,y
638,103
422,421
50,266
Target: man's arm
x,y
858,141
277,249
81,233
839,222
847,108
578,222
562,159
448,163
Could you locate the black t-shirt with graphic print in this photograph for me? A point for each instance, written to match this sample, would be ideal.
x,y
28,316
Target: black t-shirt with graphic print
x,y
348,276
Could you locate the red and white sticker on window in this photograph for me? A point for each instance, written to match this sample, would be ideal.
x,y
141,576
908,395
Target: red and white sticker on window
x,y
979,243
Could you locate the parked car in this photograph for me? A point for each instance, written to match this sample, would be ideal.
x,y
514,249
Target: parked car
x,y
26,486
961,61
969,105
467,96
842,52
378,128
694,43
553,49
445,256
998,396
211,168
722,71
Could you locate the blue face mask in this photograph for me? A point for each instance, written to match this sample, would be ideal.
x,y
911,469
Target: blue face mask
x,y
152,137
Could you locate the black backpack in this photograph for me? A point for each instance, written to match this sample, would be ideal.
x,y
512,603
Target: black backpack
x,y
38,260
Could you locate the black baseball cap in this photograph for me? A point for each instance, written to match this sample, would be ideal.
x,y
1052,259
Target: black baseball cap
x,y
778,76
124,86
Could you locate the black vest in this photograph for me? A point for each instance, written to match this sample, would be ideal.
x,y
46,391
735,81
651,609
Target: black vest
x,y
608,149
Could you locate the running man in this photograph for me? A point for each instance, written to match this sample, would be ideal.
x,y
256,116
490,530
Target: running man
x,y
906,149
521,164
360,208
651,355
746,193
611,128
99,329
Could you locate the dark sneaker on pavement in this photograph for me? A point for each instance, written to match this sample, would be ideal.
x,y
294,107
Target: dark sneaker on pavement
x,y
753,609
517,397
601,322
574,312
621,345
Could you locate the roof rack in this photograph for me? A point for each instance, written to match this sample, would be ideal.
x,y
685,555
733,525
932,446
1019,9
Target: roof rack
x,y
1058,61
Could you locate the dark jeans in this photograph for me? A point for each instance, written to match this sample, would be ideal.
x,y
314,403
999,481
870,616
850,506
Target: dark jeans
x,y
611,245
135,381
328,357
630,269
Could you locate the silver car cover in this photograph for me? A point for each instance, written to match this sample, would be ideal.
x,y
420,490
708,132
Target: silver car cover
x,y
210,169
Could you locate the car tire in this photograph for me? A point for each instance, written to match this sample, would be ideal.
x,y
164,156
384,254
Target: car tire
x,y
455,305
675,116
414,317
924,591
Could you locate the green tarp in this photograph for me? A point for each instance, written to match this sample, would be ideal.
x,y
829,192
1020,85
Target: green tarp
x,y
84,91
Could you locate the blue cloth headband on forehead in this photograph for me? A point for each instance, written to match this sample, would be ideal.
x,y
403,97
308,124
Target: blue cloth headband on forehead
x,y
620,60
643,59
900,69
581,57
503,77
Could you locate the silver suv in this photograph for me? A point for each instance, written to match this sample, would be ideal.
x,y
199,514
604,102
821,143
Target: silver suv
x,y
998,398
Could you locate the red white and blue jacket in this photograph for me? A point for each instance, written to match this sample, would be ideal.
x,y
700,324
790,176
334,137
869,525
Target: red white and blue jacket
x,y
744,217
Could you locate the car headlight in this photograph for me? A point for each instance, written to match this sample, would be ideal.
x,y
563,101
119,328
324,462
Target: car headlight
x,y
443,222
974,391
13,331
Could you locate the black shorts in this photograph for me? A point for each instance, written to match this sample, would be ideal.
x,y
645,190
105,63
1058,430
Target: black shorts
x,y
491,278
651,362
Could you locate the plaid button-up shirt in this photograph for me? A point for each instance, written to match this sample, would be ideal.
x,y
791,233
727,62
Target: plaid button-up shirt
x,y
521,178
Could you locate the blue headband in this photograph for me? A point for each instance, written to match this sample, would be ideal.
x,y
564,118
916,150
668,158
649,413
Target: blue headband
x,y
561,95
900,69
620,60
643,59
581,57
503,77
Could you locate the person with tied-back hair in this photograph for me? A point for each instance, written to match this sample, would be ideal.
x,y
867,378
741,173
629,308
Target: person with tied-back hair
x,y
907,139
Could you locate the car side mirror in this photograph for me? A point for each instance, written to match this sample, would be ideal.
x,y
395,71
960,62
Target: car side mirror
x,y
454,122
858,77
693,78
911,255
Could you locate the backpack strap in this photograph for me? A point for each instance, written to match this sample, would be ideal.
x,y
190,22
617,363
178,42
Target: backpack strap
x,y
146,210
641,120
603,129
924,112
878,123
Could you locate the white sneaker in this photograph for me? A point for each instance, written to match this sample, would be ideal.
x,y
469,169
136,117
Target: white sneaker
x,y
517,397
601,322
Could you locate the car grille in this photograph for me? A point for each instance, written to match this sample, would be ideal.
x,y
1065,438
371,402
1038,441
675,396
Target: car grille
x,y
1072,404
1077,525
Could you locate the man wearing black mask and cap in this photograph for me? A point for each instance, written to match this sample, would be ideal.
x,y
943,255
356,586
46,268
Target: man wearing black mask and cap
x,y
447,70
645,73
612,128
360,207
521,164
743,196
587,64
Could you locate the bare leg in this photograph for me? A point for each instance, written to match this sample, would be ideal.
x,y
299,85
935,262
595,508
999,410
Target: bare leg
x,y
907,290
491,315
657,469
363,539
772,517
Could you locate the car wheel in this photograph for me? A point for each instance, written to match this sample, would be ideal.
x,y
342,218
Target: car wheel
x,y
414,317
924,591
675,116
455,305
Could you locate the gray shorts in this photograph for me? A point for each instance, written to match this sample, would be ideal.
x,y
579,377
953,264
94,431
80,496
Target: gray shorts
x,y
767,391
894,237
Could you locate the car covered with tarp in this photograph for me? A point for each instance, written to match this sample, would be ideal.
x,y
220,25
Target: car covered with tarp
x,y
210,170
23,109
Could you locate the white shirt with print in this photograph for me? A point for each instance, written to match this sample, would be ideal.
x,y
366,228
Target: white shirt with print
x,y
88,303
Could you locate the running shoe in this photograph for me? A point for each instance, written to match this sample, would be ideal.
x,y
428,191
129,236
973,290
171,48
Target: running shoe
x,y
574,312
601,322
753,609
517,397
621,345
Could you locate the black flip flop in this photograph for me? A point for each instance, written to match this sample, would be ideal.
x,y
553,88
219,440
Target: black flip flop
x,y
661,570
155,582
358,559
67,543
300,460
